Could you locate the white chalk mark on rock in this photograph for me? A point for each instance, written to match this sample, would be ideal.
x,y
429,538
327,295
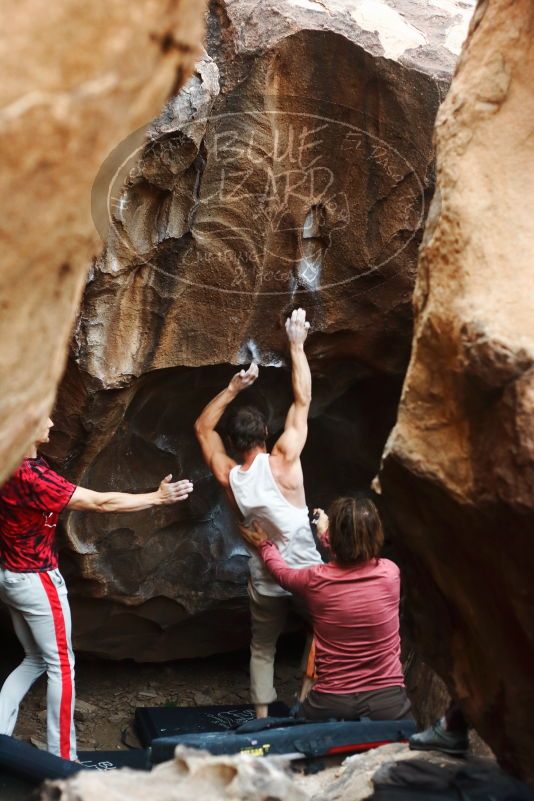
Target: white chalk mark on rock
x,y
250,352
311,262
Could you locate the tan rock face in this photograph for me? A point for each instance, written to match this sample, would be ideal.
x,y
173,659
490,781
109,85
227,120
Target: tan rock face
x,y
77,78
191,774
458,469
295,169
199,775
291,172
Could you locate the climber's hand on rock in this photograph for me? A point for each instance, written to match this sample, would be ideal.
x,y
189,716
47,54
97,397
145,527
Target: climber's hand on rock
x,y
254,534
174,491
244,378
297,327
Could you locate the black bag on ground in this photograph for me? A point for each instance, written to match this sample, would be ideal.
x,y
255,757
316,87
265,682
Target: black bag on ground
x,y
29,763
299,737
473,780
34,766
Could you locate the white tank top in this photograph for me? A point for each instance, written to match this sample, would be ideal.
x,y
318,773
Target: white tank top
x,y
259,498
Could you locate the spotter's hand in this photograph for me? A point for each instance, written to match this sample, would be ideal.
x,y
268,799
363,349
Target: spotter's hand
x,y
244,379
254,534
321,521
297,327
174,492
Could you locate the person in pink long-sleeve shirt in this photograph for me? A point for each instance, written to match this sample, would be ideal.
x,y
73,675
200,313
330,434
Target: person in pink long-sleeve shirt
x,y
354,604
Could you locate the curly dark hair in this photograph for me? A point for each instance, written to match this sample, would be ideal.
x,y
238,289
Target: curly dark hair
x,y
355,530
246,428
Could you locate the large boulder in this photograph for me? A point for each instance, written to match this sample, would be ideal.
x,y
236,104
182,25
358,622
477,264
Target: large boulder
x,y
76,79
294,169
458,469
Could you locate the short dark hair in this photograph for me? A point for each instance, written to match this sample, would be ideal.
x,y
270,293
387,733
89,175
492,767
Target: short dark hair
x,y
246,428
355,530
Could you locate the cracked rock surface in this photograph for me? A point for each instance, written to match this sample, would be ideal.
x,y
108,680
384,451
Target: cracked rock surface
x,y
458,468
196,774
294,168
77,78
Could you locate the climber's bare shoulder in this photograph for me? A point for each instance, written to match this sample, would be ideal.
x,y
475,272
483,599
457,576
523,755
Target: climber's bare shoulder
x,y
289,478
220,465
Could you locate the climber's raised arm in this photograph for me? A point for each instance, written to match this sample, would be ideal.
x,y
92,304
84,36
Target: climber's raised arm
x,y
291,442
213,450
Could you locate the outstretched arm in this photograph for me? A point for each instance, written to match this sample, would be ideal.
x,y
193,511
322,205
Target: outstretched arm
x,y
168,492
213,450
293,439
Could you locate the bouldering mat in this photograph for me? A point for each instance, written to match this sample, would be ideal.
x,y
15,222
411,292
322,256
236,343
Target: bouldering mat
x,y
169,721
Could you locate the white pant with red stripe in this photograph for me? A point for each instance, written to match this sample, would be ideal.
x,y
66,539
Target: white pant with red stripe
x,y
39,608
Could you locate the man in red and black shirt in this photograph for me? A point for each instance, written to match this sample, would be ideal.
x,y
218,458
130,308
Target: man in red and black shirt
x,y
30,503
34,591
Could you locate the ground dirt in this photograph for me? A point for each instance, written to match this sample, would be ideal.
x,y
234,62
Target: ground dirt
x,y
114,689
109,692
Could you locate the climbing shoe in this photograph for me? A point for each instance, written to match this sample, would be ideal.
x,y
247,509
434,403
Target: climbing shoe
x,y
436,738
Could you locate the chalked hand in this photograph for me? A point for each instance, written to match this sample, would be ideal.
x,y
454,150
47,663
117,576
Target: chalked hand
x,y
174,492
297,327
244,378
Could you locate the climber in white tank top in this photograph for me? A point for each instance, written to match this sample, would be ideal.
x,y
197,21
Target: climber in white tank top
x,y
268,488
259,497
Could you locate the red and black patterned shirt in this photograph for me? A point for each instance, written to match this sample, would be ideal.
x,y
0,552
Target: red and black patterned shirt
x,y
30,503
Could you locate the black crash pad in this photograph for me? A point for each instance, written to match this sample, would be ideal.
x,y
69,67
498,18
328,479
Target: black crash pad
x,y
169,721
110,760
33,766
30,764
308,740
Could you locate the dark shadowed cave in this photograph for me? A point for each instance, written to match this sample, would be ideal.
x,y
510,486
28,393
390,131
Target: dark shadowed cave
x,y
171,582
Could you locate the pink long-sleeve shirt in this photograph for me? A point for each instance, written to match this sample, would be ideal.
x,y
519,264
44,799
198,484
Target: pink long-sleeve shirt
x,y
355,612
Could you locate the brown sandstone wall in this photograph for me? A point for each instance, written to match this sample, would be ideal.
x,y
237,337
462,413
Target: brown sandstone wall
x,y
458,469
76,78
294,169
